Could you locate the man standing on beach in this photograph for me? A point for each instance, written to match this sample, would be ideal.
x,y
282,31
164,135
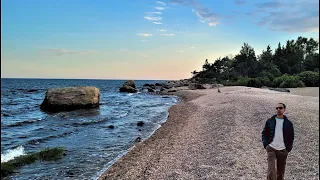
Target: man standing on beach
x,y
277,139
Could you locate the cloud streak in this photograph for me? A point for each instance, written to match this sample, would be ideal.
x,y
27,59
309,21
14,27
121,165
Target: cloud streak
x,y
159,8
292,16
160,2
167,34
144,34
205,15
60,52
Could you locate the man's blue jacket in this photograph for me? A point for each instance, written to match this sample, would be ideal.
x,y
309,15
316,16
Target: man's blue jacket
x,y
269,130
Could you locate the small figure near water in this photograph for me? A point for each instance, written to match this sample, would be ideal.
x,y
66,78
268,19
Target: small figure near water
x,y
277,139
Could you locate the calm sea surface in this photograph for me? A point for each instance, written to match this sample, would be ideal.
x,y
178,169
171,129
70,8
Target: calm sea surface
x,y
90,145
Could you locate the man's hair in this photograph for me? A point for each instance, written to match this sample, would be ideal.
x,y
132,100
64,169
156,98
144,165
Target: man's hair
x,y
284,106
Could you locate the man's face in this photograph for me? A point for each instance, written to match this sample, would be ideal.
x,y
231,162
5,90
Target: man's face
x,y
280,109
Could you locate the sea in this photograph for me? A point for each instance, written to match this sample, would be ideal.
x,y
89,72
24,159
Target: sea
x,y
91,146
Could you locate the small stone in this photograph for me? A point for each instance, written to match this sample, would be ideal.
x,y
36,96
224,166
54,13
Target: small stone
x,y
140,123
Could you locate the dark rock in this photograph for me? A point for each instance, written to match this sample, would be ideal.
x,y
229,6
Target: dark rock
x,y
138,139
152,86
172,91
111,127
32,90
140,123
150,90
70,98
5,114
158,84
128,89
194,86
146,85
140,129
130,83
280,89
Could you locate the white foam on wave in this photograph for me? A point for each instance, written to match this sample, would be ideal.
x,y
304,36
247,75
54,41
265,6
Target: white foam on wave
x,y
12,153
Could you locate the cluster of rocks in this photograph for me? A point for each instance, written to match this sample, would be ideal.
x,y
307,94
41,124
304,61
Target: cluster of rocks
x,y
72,98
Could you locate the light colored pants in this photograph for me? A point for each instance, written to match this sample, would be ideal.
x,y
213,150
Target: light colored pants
x,y
276,156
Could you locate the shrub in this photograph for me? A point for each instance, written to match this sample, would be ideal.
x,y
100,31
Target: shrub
x,y
254,82
310,78
242,81
286,81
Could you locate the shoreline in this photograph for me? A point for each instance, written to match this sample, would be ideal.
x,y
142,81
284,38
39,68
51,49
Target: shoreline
x,y
183,97
200,137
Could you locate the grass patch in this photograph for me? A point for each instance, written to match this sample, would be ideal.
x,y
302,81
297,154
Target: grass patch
x,y
47,154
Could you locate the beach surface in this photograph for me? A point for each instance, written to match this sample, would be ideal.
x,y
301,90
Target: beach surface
x,y
211,135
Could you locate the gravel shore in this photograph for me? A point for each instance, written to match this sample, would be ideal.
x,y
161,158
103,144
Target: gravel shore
x,y
211,135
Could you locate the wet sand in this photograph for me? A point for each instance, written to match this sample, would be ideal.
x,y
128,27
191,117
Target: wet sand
x,y
211,135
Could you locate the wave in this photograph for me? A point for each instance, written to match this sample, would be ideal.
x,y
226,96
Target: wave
x,y
39,140
23,123
85,123
12,153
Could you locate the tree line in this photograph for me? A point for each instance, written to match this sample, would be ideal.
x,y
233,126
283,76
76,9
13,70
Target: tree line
x,y
294,64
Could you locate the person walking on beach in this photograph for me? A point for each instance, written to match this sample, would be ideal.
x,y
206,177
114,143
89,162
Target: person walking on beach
x,y
277,139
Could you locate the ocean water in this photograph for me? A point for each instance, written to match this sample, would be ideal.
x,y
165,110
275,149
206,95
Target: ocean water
x,y
91,147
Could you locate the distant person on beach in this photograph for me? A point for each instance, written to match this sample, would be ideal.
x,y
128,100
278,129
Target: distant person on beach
x,y
277,139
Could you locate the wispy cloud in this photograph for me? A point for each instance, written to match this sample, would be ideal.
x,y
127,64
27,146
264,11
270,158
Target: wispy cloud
x,y
192,47
157,22
157,12
181,51
289,16
59,52
143,55
159,8
205,15
162,3
240,2
144,34
162,30
167,34
143,40
153,18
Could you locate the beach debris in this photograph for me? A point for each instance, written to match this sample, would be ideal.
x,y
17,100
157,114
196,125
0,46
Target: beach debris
x,y
129,87
140,123
219,90
70,98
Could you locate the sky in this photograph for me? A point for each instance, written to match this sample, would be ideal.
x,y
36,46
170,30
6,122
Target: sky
x,y
141,39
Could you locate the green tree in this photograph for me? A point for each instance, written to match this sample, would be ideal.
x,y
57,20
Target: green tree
x,y
245,63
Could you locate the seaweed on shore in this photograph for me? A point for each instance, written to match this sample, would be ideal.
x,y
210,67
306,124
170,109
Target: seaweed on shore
x,y
47,154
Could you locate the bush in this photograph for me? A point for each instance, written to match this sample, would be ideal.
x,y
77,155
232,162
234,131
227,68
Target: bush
x,y
242,81
310,78
254,82
286,81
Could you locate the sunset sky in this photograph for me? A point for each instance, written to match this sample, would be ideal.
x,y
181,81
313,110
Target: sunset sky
x,y
141,39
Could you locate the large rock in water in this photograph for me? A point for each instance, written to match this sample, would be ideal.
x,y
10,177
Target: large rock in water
x,y
70,98
129,87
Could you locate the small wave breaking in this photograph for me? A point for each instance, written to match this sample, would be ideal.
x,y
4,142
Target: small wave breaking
x,y
12,153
